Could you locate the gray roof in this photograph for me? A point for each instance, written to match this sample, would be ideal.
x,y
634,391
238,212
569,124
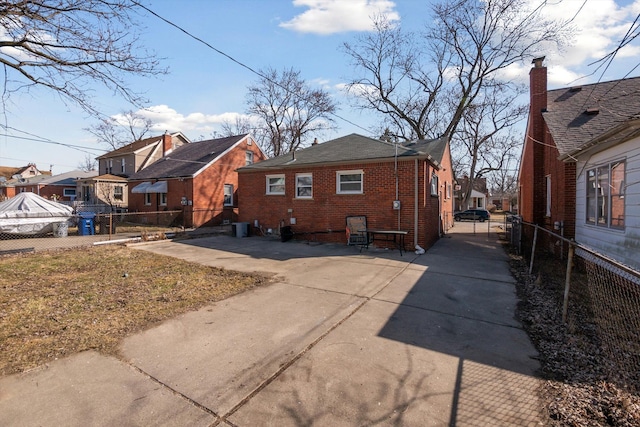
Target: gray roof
x,y
188,159
351,149
577,116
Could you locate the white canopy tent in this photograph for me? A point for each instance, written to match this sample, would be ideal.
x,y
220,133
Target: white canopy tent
x,y
28,213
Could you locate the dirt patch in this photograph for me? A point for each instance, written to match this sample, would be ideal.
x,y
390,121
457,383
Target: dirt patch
x,y
578,390
53,304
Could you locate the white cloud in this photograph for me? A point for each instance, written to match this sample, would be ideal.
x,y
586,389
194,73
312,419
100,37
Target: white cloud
x,y
165,118
601,25
336,16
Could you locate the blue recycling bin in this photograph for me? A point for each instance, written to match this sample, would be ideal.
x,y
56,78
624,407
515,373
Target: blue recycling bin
x,y
86,224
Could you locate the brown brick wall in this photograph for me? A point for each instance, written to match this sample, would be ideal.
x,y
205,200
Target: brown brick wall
x,y
326,212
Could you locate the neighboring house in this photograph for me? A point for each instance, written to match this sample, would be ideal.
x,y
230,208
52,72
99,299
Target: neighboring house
x,y
313,190
477,197
199,178
580,166
131,158
61,188
10,175
105,189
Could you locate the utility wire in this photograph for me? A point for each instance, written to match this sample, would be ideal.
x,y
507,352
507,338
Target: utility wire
x,y
243,65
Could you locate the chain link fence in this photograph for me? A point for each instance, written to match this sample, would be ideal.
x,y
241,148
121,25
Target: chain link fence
x,y
89,226
600,298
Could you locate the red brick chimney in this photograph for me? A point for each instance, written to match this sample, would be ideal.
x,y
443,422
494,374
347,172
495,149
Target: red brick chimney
x,y
537,133
167,144
538,94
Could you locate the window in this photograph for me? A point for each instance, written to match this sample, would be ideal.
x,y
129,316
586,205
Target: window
x,y
349,182
228,194
605,195
122,164
304,185
118,192
275,184
110,167
448,191
163,199
69,192
434,184
147,199
548,184
249,157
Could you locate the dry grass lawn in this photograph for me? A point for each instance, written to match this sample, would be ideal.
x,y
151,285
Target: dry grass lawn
x,y
53,304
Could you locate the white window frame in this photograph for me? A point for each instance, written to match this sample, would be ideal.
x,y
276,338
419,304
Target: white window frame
x,y
163,199
434,184
299,187
270,186
228,191
147,199
116,195
69,192
548,184
603,199
340,174
123,165
249,157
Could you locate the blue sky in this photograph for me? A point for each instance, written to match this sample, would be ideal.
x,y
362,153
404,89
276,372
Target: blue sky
x,y
204,87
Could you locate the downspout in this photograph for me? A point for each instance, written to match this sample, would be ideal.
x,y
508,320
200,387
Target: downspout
x,y
415,205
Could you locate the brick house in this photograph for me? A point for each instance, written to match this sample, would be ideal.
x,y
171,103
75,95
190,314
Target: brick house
x,y
199,178
313,190
9,176
61,187
580,167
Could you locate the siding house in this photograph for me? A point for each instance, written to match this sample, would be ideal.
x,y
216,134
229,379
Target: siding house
x,y
580,166
108,190
313,190
199,178
136,156
9,176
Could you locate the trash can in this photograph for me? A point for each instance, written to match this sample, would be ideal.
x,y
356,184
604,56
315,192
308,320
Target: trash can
x,y
240,229
86,225
61,229
286,233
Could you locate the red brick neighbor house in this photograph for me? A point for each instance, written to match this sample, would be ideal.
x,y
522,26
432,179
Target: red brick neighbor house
x,y
61,187
396,186
580,167
198,178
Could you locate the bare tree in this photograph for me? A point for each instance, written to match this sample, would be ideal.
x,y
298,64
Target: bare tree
x,y
485,140
88,163
290,113
68,45
424,84
121,130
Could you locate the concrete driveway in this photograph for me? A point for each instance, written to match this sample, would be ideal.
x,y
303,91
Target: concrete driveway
x,y
340,338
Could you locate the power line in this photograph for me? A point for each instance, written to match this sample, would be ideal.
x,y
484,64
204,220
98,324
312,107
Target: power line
x,y
43,140
243,65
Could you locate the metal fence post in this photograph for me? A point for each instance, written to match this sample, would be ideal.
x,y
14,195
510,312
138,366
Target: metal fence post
x,y
533,248
567,283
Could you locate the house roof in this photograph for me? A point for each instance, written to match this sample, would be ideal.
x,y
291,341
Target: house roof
x,y
188,159
132,148
106,177
352,148
581,117
67,178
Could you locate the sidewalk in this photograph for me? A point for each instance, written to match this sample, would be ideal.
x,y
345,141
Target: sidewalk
x,y
341,338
